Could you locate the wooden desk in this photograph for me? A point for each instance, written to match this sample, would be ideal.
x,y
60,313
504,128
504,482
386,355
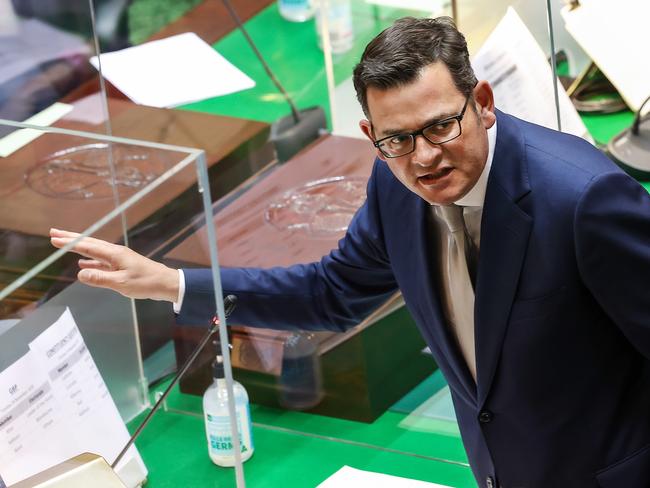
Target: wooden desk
x,y
241,225
211,21
226,140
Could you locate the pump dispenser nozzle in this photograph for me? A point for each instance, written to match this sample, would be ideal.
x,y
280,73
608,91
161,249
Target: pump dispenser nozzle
x,y
217,368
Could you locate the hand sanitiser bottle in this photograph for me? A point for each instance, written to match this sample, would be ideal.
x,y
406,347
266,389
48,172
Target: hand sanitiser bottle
x,y
296,10
217,422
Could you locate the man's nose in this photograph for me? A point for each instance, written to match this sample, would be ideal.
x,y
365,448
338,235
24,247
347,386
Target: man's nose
x,y
425,153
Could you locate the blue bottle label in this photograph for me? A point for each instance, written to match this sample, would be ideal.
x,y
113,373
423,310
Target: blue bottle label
x,y
220,438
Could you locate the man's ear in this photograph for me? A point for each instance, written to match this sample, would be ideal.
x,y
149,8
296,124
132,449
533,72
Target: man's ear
x,y
484,99
366,128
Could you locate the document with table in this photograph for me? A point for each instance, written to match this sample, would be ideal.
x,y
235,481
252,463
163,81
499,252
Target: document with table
x,y
54,405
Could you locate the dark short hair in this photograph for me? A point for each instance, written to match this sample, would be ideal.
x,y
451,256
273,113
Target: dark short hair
x,y
398,54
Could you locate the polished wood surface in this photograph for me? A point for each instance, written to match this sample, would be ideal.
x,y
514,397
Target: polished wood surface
x,y
246,239
211,21
29,212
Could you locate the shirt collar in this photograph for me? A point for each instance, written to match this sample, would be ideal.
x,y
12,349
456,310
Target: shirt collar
x,y
476,196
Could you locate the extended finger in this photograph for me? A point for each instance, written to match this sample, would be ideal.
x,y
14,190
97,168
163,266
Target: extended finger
x,y
89,247
70,236
102,279
94,264
62,233
61,242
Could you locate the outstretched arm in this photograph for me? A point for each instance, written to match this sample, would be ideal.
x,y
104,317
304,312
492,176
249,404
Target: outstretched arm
x,y
118,268
335,293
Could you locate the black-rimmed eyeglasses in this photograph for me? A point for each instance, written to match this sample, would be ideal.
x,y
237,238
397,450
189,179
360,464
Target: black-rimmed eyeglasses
x,y
438,132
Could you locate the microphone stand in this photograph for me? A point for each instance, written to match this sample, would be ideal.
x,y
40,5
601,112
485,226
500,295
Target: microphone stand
x,y
291,133
229,305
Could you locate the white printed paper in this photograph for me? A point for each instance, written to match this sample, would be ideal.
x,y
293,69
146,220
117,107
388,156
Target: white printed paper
x,y
32,426
54,405
615,36
348,477
21,137
172,71
521,77
80,388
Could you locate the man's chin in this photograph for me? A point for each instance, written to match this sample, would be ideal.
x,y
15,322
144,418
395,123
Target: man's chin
x,y
439,196
436,199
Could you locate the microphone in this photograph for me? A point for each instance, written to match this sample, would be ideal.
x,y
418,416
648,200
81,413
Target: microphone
x,y
229,304
293,132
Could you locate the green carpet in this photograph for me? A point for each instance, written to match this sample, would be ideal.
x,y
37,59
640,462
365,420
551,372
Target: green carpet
x,y
146,17
173,447
420,435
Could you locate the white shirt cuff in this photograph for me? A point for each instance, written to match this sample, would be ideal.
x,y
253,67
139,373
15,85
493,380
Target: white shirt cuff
x,y
181,292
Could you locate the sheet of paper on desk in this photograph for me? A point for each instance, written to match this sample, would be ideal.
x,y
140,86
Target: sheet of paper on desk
x,y
520,75
54,404
615,36
348,477
81,389
21,137
34,432
172,71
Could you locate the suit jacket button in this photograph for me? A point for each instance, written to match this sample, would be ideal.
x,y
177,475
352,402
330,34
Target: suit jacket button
x,y
485,416
489,482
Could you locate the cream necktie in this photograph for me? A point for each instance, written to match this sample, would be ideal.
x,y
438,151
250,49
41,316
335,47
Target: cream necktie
x,y
457,284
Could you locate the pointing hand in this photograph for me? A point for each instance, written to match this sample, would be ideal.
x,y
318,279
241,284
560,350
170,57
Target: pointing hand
x,y
119,268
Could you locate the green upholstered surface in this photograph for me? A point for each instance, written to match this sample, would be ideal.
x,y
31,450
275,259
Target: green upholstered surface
x,y
294,449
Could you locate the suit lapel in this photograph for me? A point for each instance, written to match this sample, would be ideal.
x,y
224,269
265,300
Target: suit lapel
x,y
505,230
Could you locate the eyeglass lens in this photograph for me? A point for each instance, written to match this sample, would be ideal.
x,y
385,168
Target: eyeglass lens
x,y
437,133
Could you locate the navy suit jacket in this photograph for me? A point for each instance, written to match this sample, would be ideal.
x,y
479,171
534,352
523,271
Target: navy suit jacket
x,y
562,310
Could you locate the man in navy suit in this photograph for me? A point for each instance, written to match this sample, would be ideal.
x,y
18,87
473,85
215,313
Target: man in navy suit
x,y
556,390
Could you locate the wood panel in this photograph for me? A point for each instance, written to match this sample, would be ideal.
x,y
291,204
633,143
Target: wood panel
x,y
245,238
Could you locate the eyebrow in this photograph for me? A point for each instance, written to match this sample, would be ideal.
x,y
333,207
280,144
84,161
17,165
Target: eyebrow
x,y
432,120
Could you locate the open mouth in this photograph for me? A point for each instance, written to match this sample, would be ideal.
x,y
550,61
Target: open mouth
x,y
433,177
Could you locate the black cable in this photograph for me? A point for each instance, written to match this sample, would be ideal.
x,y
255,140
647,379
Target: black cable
x,y
597,96
229,305
240,25
592,92
637,119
